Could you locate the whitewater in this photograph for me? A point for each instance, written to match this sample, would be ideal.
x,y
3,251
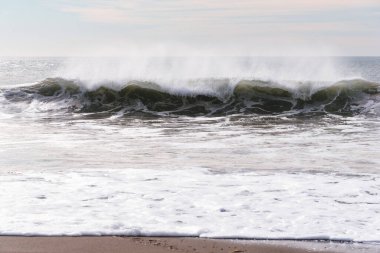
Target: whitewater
x,y
220,147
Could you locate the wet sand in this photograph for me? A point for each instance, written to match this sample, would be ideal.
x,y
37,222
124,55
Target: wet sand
x,y
17,244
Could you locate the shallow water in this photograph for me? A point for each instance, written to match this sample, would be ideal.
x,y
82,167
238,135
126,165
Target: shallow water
x,y
224,144
299,172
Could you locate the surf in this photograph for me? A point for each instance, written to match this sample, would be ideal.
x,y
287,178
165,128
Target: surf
x,y
346,97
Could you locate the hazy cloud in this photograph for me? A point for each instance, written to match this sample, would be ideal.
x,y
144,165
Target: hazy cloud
x,y
146,11
108,27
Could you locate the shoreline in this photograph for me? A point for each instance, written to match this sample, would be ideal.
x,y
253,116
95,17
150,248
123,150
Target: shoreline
x,y
119,244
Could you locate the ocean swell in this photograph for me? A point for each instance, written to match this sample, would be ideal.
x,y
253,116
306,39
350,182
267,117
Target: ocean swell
x,y
347,97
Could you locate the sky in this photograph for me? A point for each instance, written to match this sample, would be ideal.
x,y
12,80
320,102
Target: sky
x,y
183,27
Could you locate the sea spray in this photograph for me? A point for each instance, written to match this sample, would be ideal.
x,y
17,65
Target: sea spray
x,y
176,73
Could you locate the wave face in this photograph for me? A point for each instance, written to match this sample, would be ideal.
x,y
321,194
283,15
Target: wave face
x,y
348,97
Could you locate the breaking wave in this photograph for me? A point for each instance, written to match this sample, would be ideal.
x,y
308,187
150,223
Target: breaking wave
x,y
347,97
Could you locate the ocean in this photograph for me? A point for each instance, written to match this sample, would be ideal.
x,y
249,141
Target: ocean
x,y
220,147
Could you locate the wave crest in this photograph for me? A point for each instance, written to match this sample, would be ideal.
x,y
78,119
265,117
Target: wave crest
x,y
348,97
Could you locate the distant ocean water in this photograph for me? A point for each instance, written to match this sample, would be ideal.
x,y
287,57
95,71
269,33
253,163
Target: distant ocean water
x,y
213,147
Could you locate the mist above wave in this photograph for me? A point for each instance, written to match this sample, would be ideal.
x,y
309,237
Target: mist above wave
x,y
178,73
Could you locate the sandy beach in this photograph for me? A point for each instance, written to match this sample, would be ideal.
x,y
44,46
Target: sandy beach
x,y
13,244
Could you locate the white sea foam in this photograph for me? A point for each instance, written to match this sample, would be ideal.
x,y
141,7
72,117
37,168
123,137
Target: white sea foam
x,y
194,202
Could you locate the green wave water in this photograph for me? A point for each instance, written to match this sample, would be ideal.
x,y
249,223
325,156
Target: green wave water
x,y
348,97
